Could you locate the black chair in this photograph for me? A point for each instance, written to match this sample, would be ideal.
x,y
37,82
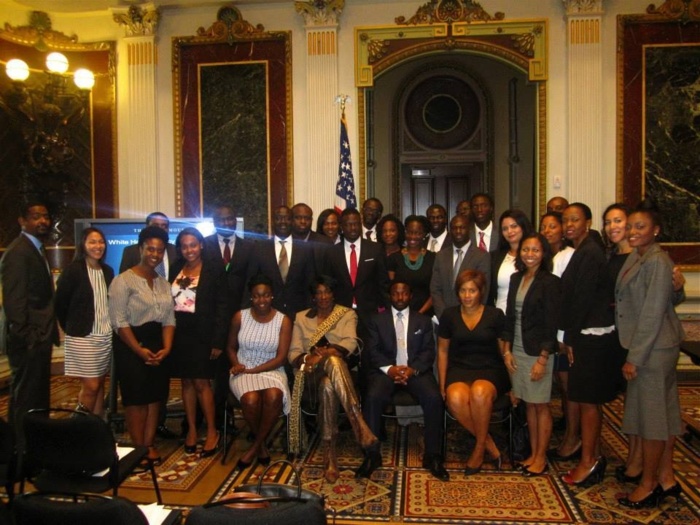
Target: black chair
x,y
501,413
75,452
8,459
39,508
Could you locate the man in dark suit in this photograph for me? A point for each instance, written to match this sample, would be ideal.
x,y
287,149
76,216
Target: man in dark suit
x,y
439,237
131,255
372,211
446,267
400,354
27,305
288,263
302,218
484,235
360,271
236,253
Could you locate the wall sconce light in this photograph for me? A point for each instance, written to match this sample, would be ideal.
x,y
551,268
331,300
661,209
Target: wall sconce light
x,y
57,64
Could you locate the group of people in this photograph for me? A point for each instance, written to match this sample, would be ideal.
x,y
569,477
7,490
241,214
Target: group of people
x,y
458,315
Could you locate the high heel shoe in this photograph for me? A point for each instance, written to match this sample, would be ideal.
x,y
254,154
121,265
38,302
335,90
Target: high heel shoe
x,y
264,461
497,462
527,473
190,449
471,471
674,491
650,501
208,452
595,474
242,465
622,477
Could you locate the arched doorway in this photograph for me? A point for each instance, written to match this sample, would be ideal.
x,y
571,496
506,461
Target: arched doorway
x,y
407,76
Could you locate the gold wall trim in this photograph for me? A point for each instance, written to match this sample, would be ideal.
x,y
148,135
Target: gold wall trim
x,y
585,31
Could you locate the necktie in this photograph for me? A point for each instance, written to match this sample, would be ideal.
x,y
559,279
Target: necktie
x,y
160,269
433,245
401,352
283,262
43,254
482,244
227,250
353,264
458,263
369,235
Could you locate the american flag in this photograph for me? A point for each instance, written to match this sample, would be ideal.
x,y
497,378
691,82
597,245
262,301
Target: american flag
x,y
345,190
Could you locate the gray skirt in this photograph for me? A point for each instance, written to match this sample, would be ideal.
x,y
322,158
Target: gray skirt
x,y
652,408
523,386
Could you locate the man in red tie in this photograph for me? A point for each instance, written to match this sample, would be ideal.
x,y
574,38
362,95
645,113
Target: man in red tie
x,y
483,235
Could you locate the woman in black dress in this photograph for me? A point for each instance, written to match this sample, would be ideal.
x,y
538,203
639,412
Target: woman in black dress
x,y
390,234
470,364
413,264
199,293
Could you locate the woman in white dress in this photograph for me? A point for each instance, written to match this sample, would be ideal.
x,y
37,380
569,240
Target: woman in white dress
x,y
258,344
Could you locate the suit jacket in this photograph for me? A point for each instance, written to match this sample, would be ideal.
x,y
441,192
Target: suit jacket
x,y
493,242
75,298
372,282
442,285
446,244
585,292
27,296
380,349
319,244
237,271
540,314
644,312
293,295
131,256
211,302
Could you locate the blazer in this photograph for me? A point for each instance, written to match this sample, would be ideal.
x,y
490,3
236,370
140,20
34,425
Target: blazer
x,y
372,283
131,256
381,349
585,292
645,318
493,242
75,298
211,302
237,271
442,286
293,295
540,314
27,296
446,244
319,244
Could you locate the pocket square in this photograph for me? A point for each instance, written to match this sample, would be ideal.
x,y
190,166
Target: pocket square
x,y
367,260
418,332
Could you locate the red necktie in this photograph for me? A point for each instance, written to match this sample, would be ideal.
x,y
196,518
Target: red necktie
x,y
353,264
227,251
482,244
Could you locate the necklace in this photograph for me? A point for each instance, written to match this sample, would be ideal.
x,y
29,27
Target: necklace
x,y
415,266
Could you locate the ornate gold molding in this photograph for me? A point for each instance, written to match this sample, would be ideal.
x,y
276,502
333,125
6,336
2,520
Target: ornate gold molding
x,y
575,7
449,11
685,10
230,26
320,12
40,35
137,20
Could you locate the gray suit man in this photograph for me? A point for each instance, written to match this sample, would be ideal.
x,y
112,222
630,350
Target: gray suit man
x,y
444,274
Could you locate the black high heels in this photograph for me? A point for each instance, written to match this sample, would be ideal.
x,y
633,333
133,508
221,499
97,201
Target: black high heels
x,y
595,474
674,491
527,473
650,501
622,477
208,452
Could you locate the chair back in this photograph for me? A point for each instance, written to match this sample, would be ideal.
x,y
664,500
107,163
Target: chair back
x,y
67,441
40,508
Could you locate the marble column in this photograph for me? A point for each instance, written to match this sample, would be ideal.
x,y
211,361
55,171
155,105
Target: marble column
x,y
139,188
585,104
317,186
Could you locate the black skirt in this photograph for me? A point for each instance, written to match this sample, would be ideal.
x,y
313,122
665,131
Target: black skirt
x,y
139,383
595,376
189,358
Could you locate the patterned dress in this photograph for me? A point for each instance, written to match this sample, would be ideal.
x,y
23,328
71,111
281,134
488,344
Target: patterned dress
x,y
257,344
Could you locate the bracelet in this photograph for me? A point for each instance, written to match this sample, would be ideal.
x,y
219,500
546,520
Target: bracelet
x,y
504,353
304,358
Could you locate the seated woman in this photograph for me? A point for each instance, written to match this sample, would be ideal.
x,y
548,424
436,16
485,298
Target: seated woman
x,y
470,365
323,338
258,343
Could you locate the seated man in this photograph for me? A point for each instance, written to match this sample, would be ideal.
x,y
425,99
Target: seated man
x,y
400,353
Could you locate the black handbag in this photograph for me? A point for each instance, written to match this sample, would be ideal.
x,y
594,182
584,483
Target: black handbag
x,y
521,434
265,504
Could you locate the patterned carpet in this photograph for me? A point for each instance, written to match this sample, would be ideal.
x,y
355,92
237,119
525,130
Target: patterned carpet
x,y
401,491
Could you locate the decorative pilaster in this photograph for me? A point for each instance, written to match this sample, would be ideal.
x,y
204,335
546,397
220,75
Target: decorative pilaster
x,y
585,103
323,119
139,187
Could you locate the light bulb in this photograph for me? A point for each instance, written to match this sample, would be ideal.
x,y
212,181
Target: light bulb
x,y
17,69
84,78
57,63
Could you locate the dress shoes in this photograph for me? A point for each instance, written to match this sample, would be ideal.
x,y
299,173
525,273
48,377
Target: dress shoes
x,y
436,468
673,491
622,477
372,462
527,473
166,433
650,501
